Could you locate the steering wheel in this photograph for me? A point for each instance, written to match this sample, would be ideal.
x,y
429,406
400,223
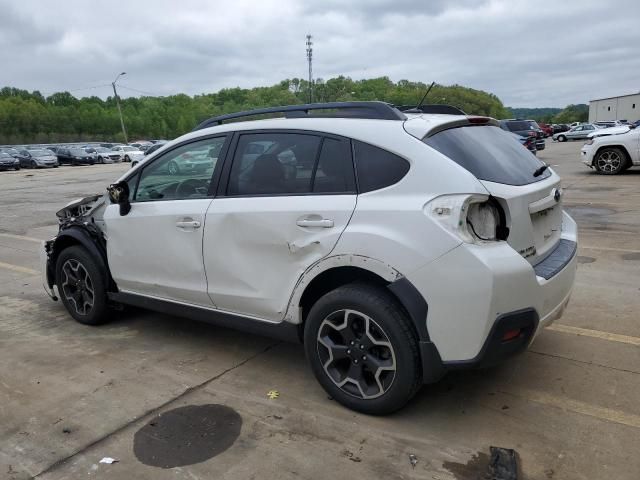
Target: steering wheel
x,y
192,186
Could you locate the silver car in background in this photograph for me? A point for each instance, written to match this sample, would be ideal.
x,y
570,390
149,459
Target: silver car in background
x,y
579,132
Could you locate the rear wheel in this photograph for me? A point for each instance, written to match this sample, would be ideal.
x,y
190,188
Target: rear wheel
x,y
81,286
362,349
610,161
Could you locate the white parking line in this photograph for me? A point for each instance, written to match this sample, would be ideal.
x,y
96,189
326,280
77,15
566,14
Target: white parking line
x,y
576,406
612,337
18,268
21,237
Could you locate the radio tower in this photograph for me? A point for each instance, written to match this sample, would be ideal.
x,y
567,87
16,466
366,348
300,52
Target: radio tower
x,y
310,59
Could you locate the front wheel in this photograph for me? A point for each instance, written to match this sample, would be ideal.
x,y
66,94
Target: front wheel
x,y
363,349
126,158
562,138
81,286
16,168
33,164
610,161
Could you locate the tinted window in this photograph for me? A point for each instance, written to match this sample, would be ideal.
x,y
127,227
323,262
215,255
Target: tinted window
x,y
273,163
334,173
488,153
377,168
182,173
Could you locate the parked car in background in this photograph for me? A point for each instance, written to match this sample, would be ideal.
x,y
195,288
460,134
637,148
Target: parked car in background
x,y
128,153
575,124
103,154
75,156
612,154
540,135
11,151
156,146
560,127
524,128
7,162
548,131
579,132
527,142
603,132
609,123
39,158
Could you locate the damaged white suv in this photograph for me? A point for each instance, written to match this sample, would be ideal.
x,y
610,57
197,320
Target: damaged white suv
x,y
395,245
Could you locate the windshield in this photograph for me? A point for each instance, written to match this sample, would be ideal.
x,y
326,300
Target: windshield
x,y
518,126
129,149
40,153
77,151
5,155
489,153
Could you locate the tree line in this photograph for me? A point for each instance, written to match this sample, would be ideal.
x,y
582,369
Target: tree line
x,y
30,117
570,114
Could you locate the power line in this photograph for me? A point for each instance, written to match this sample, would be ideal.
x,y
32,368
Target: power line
x,y
140,91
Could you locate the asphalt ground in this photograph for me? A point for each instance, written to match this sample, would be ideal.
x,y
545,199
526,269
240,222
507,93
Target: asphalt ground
x,y
170,398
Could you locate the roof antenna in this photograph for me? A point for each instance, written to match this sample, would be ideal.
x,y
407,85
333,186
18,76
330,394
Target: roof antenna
x,y
416,109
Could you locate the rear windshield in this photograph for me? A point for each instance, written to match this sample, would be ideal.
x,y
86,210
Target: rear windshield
x,y
489,153
518,126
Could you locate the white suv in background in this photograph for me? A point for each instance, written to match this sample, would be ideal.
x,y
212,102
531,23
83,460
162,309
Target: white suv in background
x,y
612,154
395,245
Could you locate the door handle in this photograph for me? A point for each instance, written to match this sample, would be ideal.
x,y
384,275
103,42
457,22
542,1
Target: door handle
x,y
188,224
322,223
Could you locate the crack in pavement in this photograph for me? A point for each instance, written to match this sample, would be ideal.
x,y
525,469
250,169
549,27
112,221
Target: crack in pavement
x,y
583,362
152,411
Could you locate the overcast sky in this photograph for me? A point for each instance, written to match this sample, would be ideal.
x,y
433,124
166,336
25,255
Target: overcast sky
x,y
530,53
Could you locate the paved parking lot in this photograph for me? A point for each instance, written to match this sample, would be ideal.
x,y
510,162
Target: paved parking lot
x,y
71,394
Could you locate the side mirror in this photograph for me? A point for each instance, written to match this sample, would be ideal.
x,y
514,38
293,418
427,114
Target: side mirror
x,y
119,194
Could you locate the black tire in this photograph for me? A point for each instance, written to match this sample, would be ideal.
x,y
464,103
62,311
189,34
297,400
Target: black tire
x,y
77,261
33,164
387,390
126,158
173,168
16,168
610,161
562,138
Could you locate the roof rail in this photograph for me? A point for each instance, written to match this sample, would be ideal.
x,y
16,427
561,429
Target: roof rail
x,y
433,108
373,110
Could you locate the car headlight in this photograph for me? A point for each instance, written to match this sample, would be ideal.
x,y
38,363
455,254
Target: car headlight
x,y
472,218
589,142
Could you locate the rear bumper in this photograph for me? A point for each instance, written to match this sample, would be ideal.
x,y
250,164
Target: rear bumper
x,y
474,292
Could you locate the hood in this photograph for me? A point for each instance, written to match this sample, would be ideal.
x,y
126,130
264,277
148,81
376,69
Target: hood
x,y
602,132
82,207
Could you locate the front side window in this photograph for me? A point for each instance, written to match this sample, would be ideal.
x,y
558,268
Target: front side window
x,y
183,173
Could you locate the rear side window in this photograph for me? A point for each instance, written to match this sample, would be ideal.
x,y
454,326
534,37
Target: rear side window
x,y
377,168
489,153
290,164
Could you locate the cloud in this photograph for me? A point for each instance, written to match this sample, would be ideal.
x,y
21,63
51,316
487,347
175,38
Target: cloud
x,y
550,55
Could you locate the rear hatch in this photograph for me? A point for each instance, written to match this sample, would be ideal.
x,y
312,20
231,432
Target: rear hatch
x,y
529,194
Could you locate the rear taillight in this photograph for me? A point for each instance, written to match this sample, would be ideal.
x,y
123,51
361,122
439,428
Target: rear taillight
x,y
472,218
478,120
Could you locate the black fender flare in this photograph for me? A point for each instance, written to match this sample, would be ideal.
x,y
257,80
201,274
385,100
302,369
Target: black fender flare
x,y
416,307
77,235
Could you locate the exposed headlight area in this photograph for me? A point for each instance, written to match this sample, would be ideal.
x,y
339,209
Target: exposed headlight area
x,y
472,218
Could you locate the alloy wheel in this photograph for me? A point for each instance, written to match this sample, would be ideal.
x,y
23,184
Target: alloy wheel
x,y
356,354
77,286
609,161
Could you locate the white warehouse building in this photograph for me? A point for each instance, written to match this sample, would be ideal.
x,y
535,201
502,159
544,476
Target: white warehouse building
x,y
625,107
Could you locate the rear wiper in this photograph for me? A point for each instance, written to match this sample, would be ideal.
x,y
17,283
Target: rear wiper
x,y
540,170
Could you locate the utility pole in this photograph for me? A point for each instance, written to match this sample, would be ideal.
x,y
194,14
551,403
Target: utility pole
x,y
113,84
309,59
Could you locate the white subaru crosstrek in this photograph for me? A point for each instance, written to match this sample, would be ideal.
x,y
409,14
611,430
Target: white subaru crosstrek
x,y
395,245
